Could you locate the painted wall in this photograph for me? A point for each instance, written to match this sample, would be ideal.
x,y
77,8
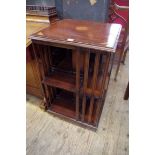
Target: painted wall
x,y
77,9
85,9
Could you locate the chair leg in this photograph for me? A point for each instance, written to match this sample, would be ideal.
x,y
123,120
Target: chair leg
x,y
126,95
118,65
124,56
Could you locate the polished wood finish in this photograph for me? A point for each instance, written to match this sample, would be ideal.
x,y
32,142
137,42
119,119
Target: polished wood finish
x,y
78,91
86,67
33,85
61,80
79,33
77,83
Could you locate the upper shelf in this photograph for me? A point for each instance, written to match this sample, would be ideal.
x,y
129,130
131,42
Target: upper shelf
x,y
80,33
61,80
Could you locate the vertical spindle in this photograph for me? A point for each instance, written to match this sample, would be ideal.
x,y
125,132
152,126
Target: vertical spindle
x,y
94,80
86,69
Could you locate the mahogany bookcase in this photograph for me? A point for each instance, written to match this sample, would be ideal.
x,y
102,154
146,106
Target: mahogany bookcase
x,y
75,61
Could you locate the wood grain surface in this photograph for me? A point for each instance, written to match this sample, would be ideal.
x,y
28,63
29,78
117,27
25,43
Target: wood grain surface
x,y
32,27
81,33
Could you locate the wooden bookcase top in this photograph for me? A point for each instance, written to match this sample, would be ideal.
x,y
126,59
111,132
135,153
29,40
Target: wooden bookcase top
x,y
79,33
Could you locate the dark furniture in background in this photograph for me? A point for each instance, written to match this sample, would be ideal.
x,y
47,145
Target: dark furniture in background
x,y
75,62
119,13
126,94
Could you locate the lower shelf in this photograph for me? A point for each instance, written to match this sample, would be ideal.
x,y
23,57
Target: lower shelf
x,y
61,80
65,105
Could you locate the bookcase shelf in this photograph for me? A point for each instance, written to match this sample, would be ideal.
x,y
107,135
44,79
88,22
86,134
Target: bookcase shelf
x,y
61,80
64,104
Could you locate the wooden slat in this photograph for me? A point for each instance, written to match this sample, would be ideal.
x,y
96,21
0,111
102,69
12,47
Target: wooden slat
x,y
41,50
46,57
50,95
77,82
42,53
49,53
94,80
47,64
36,49
99,102
50,56
98,109
105,71
86,69
102,61
39,71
